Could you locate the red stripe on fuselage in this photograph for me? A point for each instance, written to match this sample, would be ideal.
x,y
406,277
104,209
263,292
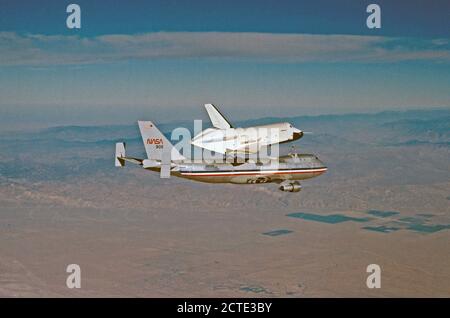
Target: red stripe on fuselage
x,y
250,173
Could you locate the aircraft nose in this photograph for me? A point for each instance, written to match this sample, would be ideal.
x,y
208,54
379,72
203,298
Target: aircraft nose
x,y
297,134
320,164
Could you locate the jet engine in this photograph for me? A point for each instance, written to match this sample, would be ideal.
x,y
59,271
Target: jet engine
x,y
290,187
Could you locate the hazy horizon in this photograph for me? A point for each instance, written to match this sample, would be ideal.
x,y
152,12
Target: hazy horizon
x,y
11,122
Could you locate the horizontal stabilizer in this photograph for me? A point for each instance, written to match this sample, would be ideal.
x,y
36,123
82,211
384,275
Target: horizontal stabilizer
x,y
136,161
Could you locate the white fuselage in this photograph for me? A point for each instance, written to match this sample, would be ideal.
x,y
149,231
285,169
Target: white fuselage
x,y
245,140
291,167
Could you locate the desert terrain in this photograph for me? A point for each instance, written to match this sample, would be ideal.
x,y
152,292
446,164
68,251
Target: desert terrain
x,y
385,200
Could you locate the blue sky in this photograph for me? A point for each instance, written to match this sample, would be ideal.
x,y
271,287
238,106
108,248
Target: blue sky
x,y
163,59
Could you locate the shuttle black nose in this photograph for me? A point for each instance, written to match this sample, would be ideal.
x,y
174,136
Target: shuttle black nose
x,y
298,135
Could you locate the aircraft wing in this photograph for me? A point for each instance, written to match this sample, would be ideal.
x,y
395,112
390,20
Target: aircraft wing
x,y
216,117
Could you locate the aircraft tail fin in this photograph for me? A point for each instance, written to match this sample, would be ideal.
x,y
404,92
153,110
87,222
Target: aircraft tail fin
x,y
217,119
157,146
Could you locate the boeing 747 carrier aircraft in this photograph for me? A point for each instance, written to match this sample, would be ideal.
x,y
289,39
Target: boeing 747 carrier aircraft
x,y
164,158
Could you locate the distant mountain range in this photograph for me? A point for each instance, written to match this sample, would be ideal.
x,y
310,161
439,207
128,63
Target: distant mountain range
x,y
402,122
67,151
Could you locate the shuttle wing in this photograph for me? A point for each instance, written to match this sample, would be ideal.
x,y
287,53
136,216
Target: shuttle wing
x,y
216,117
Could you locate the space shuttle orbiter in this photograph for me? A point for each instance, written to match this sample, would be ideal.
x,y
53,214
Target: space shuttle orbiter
x,y
224,138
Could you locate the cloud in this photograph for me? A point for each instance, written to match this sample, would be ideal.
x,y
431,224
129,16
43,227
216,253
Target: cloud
x,y
46,50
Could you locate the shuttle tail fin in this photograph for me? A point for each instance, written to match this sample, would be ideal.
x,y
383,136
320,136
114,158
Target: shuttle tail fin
x,y
217,119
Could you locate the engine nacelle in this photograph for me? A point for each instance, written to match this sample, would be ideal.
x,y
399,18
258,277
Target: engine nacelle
x,y
290,187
